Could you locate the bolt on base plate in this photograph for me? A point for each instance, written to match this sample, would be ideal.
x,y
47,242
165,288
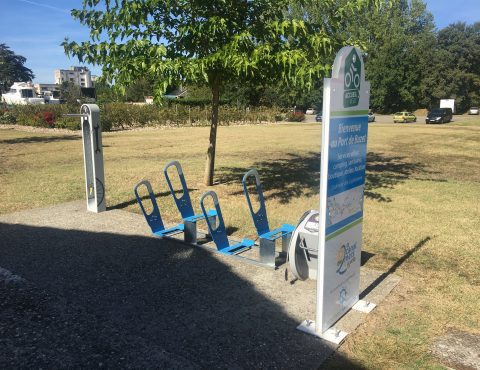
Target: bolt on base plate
x,y
331,335
364,306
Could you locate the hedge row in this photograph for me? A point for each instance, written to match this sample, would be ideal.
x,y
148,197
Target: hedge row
x,y
118,116
40,115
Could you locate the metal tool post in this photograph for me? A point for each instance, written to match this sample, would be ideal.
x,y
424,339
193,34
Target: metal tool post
x,y
92,156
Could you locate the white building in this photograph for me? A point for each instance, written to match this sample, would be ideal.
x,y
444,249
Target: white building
x,y
80,76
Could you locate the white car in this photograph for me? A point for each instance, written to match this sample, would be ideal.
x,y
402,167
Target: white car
x,y
52,97
473,110
310,111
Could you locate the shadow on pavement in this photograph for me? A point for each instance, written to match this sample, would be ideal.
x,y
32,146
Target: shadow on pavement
x,y
116,301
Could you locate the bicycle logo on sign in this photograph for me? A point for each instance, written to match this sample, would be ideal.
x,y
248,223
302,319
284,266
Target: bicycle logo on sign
x,y
352,75
351,95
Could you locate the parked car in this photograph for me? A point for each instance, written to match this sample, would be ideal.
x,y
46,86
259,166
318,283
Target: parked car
x,y
404,117
318,117
439,115
371,117
473,110
310,111
52,97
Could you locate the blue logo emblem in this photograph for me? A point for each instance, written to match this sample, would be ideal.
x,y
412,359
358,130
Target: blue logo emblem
x,y
345,257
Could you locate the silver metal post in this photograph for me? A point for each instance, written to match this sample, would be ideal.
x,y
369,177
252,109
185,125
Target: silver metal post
x,y
92,156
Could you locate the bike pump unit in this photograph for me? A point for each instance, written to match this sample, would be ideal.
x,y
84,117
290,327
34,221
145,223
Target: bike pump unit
x,y
92,156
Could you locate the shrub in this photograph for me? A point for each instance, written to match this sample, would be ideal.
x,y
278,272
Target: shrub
x,y
7,118
121,116
41,115
118,116
44,119
296,116
68,123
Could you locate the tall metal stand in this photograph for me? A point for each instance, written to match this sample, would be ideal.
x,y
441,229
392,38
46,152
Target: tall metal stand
x,y
92,156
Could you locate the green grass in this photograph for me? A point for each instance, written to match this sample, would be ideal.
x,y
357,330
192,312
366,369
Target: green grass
x,y
421,207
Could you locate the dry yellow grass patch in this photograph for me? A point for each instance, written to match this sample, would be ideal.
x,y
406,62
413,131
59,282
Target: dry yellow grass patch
x,y
422,212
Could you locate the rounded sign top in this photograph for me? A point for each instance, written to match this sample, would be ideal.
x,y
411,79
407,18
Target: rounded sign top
x,y
349,68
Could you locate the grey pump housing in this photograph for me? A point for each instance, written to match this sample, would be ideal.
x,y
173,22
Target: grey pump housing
x,y
303,247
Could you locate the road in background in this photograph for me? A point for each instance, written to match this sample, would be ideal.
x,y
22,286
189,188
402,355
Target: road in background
x,y
381,118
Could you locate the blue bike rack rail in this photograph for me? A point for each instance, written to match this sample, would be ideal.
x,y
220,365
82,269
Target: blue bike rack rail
x,y
267,237
184,205
154,219
219,233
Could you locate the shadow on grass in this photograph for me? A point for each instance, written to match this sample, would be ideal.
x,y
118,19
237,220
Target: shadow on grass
x,y
298,175
231,229
40,139
101,299
395,266
145,197
365,256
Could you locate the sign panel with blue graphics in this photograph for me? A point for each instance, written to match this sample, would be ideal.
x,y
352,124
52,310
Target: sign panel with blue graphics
x,y
342,184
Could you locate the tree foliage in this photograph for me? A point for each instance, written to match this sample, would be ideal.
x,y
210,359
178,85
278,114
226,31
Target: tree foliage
x,y
70,92
106,93
194,41
12,68
454,71
138,90
414,66
215,41
399,43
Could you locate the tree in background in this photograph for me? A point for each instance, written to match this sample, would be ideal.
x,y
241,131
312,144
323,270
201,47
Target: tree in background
x,y
454,71
397,41
107,93
138,90
399,46
273,94
12,68
70,92
212,42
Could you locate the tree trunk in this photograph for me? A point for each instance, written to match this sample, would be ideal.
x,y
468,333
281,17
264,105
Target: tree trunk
x,y
210,165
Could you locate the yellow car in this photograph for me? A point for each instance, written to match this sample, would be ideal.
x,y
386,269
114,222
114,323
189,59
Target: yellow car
x,y
404,117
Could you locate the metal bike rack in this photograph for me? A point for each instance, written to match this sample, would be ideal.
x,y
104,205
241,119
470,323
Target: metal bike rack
x,y
154,219
219,232
184,205
267,237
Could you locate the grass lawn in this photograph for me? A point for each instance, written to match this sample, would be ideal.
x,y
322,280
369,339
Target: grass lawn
x,y
422,209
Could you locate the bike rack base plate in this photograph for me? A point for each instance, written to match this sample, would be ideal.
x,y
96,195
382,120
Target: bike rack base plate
x,y
330,335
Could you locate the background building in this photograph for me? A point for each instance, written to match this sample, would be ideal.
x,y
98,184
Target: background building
x,y
41,88
79,76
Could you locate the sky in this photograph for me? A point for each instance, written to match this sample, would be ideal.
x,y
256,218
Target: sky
x,y
36,28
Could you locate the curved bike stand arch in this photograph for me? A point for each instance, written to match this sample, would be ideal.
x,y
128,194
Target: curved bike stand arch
x,y
154,219
267,237
219,232
184,204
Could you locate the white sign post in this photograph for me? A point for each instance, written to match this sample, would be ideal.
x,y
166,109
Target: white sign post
x,y
342,183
